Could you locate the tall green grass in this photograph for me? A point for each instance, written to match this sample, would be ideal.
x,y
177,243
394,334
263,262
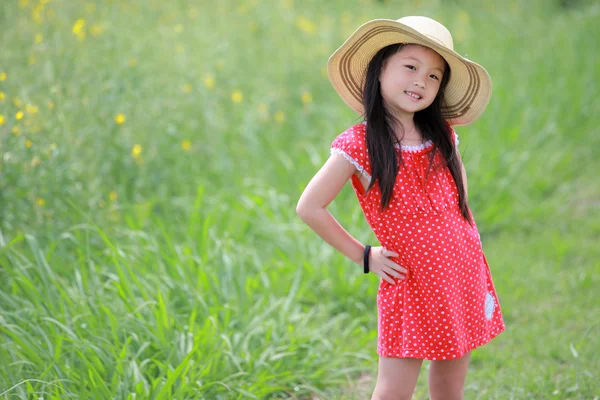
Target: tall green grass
x,y
162,257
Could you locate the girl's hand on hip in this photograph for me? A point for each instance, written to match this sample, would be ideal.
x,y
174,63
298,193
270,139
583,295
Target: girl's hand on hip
x,y
380,264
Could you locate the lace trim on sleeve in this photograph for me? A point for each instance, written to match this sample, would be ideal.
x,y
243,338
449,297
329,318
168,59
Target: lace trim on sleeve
x,y
353,162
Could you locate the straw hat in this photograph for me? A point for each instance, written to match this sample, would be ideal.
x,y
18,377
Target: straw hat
x,y
468,91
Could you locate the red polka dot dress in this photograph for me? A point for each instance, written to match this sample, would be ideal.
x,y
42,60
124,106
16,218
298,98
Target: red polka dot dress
x,y
447,305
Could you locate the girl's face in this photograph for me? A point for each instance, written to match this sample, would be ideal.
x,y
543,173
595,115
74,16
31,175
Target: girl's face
x,y
410,79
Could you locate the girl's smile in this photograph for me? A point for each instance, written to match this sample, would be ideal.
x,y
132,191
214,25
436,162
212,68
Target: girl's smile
x,y
414,96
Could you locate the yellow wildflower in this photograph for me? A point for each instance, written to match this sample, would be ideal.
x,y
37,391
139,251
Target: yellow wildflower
x,y
279,116
119,119
23,3
31,60
40,202
37,14
39,38
132,62
209,81
17,102
186,145
306,25
78,29
50,104
307,98
179,28
187,88
136,151
19,115
3,76
1,96
16,131
78,26
113,196
31,109
1,119
28,143
237,96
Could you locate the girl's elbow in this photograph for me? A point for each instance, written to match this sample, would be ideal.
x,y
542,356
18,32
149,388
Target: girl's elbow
x,y
304,210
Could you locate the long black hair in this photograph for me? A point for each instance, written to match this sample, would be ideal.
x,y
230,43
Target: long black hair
x,y
383,157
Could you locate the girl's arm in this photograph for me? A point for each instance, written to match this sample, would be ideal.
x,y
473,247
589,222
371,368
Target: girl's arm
x,y
321,191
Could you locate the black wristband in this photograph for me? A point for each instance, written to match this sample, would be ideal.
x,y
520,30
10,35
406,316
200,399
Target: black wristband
x,y
366,259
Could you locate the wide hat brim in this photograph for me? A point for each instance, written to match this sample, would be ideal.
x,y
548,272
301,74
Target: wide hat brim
x,y
467,93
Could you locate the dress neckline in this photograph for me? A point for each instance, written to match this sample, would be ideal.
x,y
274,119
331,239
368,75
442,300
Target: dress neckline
x,y
414,148
418,147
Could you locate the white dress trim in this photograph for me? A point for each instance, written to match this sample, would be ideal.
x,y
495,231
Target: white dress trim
x,y
352,161
418,147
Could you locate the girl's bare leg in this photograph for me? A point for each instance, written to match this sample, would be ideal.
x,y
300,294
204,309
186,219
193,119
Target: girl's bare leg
x,y
447,378
396,378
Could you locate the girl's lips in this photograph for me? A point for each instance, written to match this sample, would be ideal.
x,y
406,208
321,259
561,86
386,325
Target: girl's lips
x,y
411,97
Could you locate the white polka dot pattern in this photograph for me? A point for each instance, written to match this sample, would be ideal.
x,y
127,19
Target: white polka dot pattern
x,y
447,306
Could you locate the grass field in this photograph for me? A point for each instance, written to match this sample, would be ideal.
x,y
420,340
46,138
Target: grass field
x,y
151,157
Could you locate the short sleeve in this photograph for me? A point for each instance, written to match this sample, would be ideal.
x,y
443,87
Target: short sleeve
x,y
352,145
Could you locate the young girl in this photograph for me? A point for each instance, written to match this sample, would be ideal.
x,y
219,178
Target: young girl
x,y
436,299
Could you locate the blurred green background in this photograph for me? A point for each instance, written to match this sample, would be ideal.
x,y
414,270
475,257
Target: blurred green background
x,y
151,157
